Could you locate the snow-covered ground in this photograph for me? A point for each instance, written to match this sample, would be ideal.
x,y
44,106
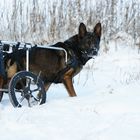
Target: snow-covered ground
x,y
107,106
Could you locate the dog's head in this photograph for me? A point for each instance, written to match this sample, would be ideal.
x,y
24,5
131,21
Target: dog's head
x,y
89,41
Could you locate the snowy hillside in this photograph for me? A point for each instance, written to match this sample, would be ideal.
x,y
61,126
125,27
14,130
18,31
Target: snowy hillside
x,y
107,106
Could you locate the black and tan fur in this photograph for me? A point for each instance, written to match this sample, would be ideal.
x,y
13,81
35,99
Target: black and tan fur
x,y
51,63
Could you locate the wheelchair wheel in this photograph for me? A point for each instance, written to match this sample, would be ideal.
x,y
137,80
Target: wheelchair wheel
x,y
26,89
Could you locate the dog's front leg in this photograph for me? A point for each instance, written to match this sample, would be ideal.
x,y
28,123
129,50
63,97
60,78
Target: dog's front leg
x,y
67,81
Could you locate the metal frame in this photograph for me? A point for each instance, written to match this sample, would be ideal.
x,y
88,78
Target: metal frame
x,y
29,46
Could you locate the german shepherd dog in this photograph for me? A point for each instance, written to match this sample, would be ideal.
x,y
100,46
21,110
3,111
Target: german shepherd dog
x,y
80,48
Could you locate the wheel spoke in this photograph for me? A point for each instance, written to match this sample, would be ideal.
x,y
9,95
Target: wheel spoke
x,y
35,98
36,89
21,100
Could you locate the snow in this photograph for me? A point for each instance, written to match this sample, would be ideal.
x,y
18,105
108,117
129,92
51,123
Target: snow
x,y
106,108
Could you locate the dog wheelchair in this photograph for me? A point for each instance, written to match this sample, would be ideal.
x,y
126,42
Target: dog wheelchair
x,y
24,88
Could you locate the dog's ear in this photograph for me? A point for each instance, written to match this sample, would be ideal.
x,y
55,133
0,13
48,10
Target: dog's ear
x,y
98,29
82,30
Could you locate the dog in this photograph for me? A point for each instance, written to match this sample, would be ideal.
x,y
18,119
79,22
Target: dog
x,y
51,63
